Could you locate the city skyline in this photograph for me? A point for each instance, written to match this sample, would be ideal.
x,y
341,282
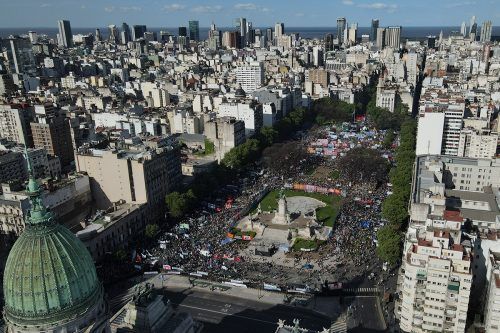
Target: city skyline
x,y
319,14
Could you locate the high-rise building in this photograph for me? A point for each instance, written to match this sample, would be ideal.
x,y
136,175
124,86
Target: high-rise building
x,y
471,25
56,274
53,133
194,30
7,85
251,76
439,130
98,36
279,30
393,37
431,42
269,34
328,42
231,39
33,36
486,32
125,34
437,276
477,144
15,124
242,28
138,31
113,34
20,56
341,26
352,33
183,32
65,37
373,31
463,29
138,175
380,38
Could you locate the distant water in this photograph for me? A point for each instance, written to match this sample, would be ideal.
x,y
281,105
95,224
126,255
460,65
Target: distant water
x,y
305,32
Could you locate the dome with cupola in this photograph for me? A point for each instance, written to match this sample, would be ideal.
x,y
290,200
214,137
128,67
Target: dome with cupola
x,y
50,280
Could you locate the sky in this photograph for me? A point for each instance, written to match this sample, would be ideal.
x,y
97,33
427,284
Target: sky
x,y
294,13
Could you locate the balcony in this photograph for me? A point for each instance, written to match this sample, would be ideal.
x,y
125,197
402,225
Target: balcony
x,y
453,286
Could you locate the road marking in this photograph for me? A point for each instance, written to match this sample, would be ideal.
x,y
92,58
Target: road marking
x,y
226,314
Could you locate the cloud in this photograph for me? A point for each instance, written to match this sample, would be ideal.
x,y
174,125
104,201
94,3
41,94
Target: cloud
x,y
207,9
391,8
83,7
109,9
460,4
348,2
131,9
251,7
245,6
174,7
299,14
45,5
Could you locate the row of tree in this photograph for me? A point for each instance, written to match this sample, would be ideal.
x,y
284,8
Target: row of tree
x,y
395,206
242,155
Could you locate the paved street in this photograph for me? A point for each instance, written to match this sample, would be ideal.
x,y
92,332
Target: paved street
x,y
230,314
364,315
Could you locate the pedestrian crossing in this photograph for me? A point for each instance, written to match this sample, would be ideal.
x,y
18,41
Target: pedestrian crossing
x,y
360,290
340,326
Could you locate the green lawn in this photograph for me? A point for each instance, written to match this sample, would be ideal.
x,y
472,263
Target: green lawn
x,y
327,214
301,243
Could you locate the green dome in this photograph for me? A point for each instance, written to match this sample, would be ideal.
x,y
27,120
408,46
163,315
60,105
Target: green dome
x,y
49,277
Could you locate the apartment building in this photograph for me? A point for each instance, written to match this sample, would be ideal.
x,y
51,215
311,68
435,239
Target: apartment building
x,y
249,111
15,123
226,133
251,76
437,277
477,143
133,175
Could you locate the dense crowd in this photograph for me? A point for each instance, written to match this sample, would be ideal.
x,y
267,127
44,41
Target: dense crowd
x,y
204,248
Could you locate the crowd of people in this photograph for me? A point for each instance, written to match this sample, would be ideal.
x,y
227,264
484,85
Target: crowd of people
x,y
203,248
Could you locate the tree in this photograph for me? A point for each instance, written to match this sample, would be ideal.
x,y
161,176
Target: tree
x,y
389,139
268,136
178,204
394,209
151,230
363,164
389,244
120,255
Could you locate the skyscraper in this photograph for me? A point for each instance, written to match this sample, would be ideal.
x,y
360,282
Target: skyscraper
x,y
125,34
486,32
194,30
243,31
182,32
328,42
113,34
98,36
373,33
341,25
138,31
393,37
65,37
20,56
279,30
380,41
463,29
